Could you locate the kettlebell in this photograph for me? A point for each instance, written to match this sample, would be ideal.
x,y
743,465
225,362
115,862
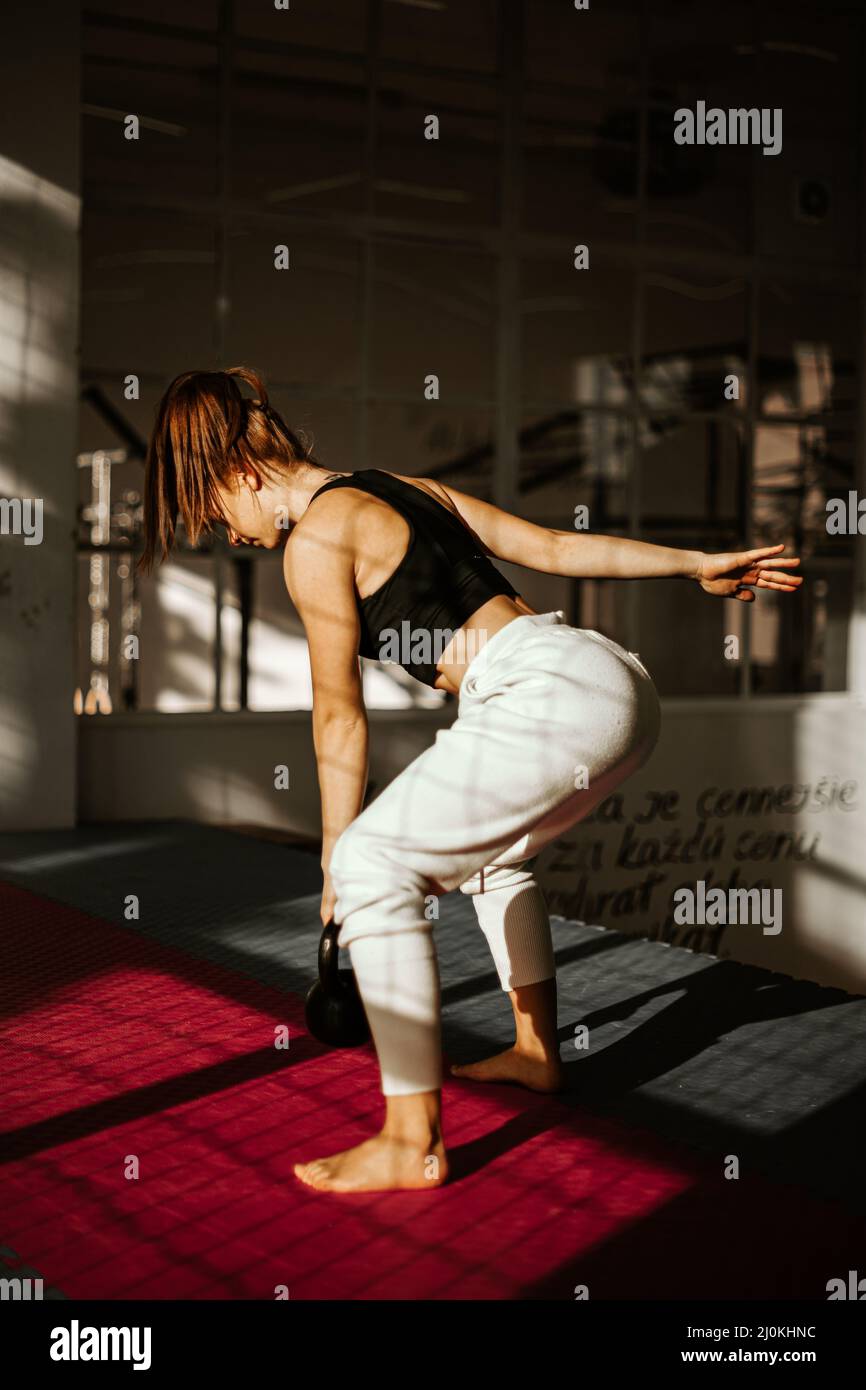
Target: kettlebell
x,y
334,1011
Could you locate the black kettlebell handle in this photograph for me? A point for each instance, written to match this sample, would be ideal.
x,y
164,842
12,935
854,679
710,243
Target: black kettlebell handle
x,y
329,954
334,1011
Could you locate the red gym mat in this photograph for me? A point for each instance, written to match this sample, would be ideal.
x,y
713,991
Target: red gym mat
x,y
114,1047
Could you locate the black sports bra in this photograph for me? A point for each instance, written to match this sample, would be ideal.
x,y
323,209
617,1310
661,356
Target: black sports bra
x,y
441,581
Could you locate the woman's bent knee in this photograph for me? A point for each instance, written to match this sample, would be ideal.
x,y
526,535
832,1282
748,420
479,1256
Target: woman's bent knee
x,y
376,894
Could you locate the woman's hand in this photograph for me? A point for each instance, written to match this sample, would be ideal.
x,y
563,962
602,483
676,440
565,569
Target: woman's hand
x,y
731,575
329,899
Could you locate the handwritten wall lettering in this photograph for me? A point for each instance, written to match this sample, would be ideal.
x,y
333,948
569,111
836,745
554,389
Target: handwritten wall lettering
x,y
623,869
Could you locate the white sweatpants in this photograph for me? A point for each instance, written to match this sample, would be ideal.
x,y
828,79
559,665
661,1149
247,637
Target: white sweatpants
x,y
550,719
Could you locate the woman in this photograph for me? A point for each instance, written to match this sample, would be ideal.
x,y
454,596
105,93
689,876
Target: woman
x,y
550,719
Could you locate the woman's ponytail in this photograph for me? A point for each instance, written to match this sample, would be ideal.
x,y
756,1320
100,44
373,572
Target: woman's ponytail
x,y
206,428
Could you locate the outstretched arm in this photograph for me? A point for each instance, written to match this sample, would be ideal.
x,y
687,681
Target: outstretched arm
x,y
583,555
734,574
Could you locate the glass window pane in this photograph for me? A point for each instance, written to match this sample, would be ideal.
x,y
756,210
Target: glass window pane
x,y
431,438
808,205
695,337
201,15
147,281
324,24
178,615
328,425
450,297
682,635
301,324
597,49
146,70
298,167
808,347
297,134
580,173
279,666
700,195
693,496
107,598
445,35
575,459
693,481
798,468
450,181
810,65
576,333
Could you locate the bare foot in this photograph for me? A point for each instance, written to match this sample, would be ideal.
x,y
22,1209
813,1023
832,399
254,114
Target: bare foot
x,y
381,1164
535,1071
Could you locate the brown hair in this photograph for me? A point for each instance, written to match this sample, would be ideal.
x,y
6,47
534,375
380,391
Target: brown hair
x,y
206,429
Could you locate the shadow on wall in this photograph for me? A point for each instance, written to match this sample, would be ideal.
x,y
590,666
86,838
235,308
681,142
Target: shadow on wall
x,y
38,421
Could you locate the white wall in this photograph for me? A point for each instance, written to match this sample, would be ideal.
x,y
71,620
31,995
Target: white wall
x,y
39,279
221,769
634,849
